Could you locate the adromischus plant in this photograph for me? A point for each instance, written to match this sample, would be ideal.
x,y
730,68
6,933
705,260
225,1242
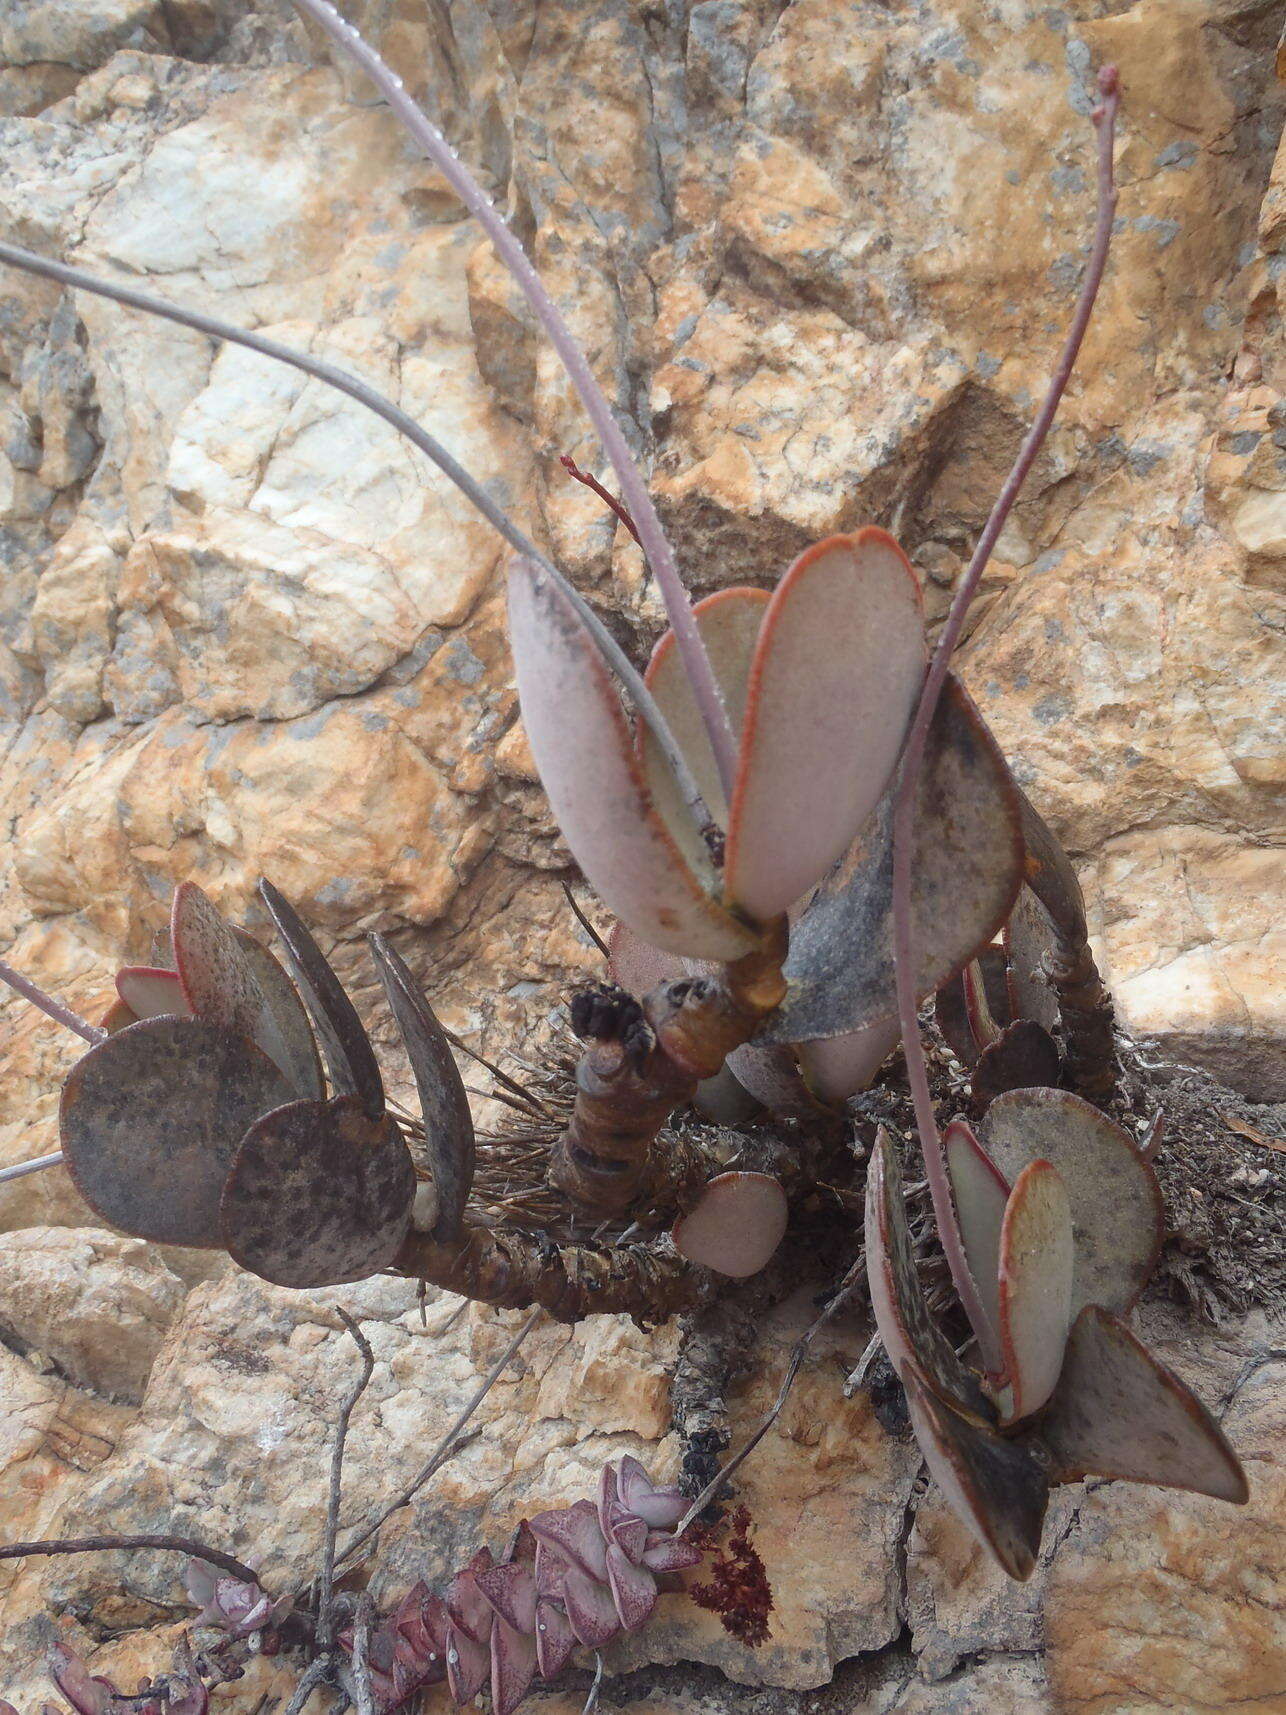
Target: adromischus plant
x,y
804,828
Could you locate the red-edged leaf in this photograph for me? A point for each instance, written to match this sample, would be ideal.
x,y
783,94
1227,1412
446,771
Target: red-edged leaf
x,y
633,1589
729,623
1023,1057
837,671
592,774
993,1485
1117,1412
590,1608
350,1059
574,1533
214,973
550,1569
1035,1285
444,1102
897,1299
1029,938
837,1067
555,1639
967,865
151,1119
468,1663
980,1192
736,1225
152,993
469,1609
1118,1217
629,1534
513,1665
285,1034
319,1193
982,1025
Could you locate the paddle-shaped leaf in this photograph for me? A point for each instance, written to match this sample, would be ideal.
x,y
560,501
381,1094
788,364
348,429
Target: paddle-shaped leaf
x,y
289,1040
770,1073
897,1299
513,1666
1117,1412
1023,1057
637,967
729,623
836,1067
555,1639
350,1059
319,1193
736,1225
592,774
994,1486
967,866
1029,937
836,675
444,1103
152,993
980,1193
1035,1285
151,1119
1118,1218
590,1608
214,973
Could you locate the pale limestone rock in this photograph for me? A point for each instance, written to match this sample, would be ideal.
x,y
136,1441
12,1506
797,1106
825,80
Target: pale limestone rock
x,y
95,1305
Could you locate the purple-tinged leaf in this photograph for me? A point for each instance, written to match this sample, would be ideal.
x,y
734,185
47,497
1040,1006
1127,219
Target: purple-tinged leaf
x,y
736,1226
633,1589
574,1533
284,1034
897,1298
1118,1217
729,623
1117,1412
87,1693
1023,1057
659,1505
609,1498
152,993
468,1608
551,1568
513,1665
770,1073
1036,1265
590,1608
629,1534
555,1639
1029,938
319,1194
468,1662
980,1193
151,1119
350,1059
994,1486
511,1590
836,1067
665,1553
638,968
837,671
967,865
444,1103
584,749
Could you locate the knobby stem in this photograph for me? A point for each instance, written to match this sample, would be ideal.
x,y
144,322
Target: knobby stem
x,y
634,494
904,950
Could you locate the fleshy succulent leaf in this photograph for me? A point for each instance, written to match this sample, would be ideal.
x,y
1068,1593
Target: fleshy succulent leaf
x,y
836,1067
575,1534
1118,1218
319,1193
665,1553
629,1534
659,1505
1029,937
1117,1412
993,1485
967,865
285,1036
590,769
637,967
350,1059
1023,1057
444,1102
729,623
469,1609
837,670
1035,1293
468,1662
897,1298
511,1591
735,1226
633,1588
151,1119
980,1193
609,1498
87,1693
214,974
513,1665
590,1608
555,1639
769,1072
152,993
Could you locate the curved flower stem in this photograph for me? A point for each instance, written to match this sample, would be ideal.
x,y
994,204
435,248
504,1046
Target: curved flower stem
x,y
112,1544
56,1010
634,493
904,798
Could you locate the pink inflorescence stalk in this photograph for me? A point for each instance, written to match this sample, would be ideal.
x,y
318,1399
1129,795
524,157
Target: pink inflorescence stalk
x,y
575,1577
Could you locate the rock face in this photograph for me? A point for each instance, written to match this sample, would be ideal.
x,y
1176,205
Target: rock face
x,y
821,256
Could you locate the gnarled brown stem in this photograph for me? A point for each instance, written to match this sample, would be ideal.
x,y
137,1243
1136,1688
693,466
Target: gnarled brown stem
x,y
642,1062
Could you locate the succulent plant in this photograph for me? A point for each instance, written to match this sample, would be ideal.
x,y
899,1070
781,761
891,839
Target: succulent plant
x,y
232,1606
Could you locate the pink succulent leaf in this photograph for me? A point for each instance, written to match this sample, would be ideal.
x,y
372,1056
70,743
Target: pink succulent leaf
x,y
513,1665
1036,1264
551,1568
87,1693
979,1191
660,1507
511,1591
470,1611
735,1226
590,1608
236,1607
837,1067
152,993
665,1553
186,1695
555,1639
575,1533
200,1580
633,1589
468,1663
630,1535
608,1497
635,966
7,1708
522,1548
